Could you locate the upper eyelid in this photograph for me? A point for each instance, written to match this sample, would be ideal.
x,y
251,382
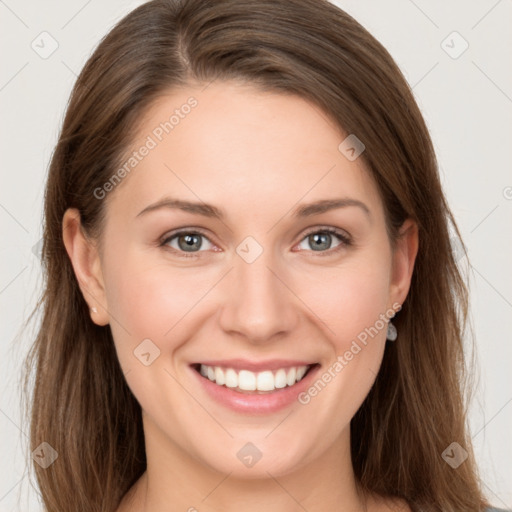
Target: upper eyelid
x,y
184,231
329,229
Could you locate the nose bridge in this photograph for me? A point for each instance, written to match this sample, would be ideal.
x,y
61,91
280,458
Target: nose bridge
x,y
257,305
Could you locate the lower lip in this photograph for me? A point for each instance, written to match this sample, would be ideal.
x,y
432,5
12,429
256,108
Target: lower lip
x,y
255,403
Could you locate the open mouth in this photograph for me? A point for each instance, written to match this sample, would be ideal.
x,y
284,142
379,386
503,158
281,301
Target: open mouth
x,y
249,382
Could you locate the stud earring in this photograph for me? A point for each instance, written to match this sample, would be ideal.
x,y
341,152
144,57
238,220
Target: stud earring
x,y
94,310
392,333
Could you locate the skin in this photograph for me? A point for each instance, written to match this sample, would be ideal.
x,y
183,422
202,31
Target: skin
x,y
257,156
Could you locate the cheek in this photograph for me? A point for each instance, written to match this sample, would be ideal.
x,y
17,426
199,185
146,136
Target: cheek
x,y
156,303
348,299
352,306
153,300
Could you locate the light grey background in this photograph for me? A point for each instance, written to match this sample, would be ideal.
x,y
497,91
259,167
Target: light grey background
x,y
467,104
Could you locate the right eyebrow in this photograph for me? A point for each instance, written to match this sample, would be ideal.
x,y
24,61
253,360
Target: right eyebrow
x,y
204,209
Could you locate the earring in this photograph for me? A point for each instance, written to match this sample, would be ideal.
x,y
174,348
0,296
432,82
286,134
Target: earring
x,y
94,310
392,333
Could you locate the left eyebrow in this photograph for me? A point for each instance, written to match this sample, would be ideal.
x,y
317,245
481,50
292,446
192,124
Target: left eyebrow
x,y
325,205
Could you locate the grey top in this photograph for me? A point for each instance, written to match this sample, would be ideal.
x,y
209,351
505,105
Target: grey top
x,y
498,510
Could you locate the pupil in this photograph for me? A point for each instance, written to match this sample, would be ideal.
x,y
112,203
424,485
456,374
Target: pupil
x,y
320,238
190,242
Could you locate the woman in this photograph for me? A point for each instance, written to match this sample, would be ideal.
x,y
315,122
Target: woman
x,y
251,299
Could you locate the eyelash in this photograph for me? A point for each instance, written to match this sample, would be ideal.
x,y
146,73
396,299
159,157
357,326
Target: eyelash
x,y
345,241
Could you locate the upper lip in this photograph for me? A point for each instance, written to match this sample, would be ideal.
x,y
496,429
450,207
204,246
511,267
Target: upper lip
x,y
245,364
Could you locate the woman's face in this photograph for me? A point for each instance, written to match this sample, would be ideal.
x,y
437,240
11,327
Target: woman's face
x,y
248,279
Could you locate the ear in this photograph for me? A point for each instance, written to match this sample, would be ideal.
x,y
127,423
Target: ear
x,y
84,257
404,257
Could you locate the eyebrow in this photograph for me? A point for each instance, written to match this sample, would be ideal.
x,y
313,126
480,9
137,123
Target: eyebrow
x,y
208,210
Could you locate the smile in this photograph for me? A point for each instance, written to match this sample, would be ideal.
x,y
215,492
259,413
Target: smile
x,y
246,381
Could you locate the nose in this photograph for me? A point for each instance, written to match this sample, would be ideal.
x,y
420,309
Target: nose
x,y
259,305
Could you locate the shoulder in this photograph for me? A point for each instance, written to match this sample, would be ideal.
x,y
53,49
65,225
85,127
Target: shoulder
x,y
492,509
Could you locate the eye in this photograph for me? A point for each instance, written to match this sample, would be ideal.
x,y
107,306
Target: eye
x,y
187,243
321,240
184,242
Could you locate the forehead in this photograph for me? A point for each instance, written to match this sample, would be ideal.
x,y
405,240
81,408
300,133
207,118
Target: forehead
x,y
238,147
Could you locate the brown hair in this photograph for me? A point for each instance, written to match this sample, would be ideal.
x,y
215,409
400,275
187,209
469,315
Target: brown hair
x,y
81,404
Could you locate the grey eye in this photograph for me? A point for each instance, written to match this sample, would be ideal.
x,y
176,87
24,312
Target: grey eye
x,y
187,241
320,241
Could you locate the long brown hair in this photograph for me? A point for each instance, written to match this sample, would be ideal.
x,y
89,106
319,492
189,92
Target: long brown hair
x,y
81,404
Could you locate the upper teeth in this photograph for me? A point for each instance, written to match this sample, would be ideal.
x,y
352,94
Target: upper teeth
x,y
251,381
